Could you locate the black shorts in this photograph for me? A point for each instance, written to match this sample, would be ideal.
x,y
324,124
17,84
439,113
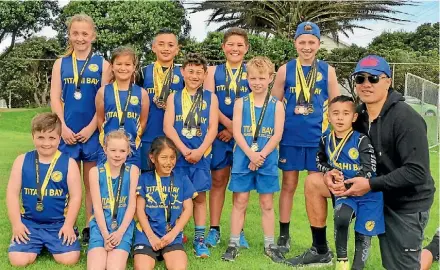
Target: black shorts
x,y
158,254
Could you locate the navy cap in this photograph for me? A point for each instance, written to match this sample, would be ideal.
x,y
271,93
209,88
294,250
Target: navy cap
x,y
308,28
374,65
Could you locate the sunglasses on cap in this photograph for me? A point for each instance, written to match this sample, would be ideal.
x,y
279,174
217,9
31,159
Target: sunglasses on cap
x,y
360,79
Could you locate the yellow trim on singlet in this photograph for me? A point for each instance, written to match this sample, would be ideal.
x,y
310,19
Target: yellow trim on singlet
x,y
325,123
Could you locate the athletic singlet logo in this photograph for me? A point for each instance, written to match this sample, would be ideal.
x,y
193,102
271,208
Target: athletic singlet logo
x,y
369,225
244,76
93,67
134,100
204,105
318,77
353,153
176,79
56,176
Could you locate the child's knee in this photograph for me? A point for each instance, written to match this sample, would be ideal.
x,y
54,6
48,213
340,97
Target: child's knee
x,y
266,204
21,259
240,202
67,259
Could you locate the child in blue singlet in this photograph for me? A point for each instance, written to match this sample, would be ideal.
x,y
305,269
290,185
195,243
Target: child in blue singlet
x,y
258,127
113,186
159,80
345,154
76,78
164,207
122,104
191,121
228,82
48,183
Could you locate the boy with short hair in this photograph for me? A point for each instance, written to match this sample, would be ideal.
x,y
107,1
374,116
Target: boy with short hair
x,y
191,121
257,127
50,187
345,154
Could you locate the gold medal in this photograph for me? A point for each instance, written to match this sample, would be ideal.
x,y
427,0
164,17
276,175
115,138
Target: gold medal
x,y
189,135
40,206
185,131
199,132
299,109
254,147
160,103
310,108
77,95
228,100
168,227
114,225
193,131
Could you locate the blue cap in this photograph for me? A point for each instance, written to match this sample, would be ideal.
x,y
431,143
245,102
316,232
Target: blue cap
x,y
374,65
307,28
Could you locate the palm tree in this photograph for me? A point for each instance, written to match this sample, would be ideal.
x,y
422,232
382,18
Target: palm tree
x,y
280,18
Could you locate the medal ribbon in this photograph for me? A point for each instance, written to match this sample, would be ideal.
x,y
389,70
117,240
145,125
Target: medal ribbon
x,y
162,80
189,107
337,148
231,80
163,196
77,78
305,86
114,203
41,187
121,114
257,126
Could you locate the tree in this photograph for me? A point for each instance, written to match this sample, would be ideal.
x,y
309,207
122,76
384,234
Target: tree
x,y
26,72
127,22
23,18
280,18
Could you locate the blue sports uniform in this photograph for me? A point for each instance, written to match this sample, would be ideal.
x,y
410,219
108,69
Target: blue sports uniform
x,y
132,125
199,173
44,226
154,127
96,239
79,113
265,179
356,158
222,151
155,208
299,144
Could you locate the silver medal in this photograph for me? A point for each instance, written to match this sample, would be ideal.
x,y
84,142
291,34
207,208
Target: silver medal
x,y
77,95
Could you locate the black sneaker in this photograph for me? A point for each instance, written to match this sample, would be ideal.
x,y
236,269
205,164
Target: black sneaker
x,y
85,236
231,253
283,243
311,258
274,253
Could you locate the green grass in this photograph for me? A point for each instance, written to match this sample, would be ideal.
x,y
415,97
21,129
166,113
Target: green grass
x,y
15,139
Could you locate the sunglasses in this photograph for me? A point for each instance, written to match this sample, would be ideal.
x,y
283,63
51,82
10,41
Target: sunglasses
x,y
360,79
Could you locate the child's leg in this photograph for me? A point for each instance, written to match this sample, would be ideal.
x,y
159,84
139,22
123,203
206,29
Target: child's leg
x,y
88,198
362,248
21,259
342,219
117,259
240,203
143,262
268,218
68,258
200,215
176,260
96,258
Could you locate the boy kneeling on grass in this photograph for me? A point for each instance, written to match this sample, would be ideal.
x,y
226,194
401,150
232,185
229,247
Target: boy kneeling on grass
x,y
257,127
50,187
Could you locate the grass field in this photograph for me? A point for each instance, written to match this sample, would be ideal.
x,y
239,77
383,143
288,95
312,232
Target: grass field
x,y
16,139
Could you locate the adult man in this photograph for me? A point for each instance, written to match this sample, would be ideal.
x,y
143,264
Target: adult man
x,y
304,85
398,134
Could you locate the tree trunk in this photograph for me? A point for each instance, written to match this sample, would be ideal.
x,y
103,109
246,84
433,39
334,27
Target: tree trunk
x,y
36,99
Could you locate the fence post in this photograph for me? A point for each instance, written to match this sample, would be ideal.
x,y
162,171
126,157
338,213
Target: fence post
x,y
394,67
406,84
423,98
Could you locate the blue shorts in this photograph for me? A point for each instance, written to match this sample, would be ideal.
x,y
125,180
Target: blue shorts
x,y
86,152
369,212
44,237
96,239
245,182
133,159
200,178
221,154
296,158
145,150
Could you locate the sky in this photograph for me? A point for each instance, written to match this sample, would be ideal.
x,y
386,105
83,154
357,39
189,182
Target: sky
x,y
424,12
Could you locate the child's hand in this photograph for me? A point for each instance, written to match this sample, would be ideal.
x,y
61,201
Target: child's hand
x,y
252,167
20,233
115,237
185,151
68,234
168,238
155,242
257,158
337,176
68,135
108,246
195,156
224,135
